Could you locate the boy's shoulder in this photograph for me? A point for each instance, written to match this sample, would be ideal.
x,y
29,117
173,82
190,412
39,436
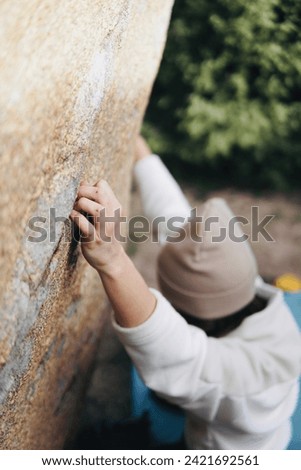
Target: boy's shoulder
x,y
263,352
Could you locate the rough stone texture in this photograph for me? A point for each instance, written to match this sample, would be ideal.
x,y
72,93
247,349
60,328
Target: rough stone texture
x,y
75,77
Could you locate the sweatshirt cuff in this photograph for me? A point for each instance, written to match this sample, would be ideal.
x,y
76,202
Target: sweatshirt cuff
x,y
149,330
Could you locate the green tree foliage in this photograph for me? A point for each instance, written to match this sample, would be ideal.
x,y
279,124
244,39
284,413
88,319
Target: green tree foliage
x,y
228,95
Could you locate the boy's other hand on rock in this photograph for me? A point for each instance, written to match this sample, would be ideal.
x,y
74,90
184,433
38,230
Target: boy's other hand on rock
x,y
142,149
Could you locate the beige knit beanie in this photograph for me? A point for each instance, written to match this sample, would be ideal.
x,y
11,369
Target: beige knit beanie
x,y
209,279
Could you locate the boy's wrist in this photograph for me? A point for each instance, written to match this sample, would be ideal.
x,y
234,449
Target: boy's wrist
x,y
116,266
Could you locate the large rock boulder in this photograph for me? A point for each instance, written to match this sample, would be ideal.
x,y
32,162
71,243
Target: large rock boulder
x,y
75,78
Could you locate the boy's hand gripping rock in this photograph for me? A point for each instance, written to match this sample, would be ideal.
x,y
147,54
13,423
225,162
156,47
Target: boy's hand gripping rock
x,y
98,241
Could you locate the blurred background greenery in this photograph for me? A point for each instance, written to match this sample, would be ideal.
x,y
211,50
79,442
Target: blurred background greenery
x,y
226,106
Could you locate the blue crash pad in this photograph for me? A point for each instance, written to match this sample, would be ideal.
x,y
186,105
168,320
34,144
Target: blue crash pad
x,y
293,300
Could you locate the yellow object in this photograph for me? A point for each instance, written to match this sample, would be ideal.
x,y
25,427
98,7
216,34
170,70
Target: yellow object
x,y
288,282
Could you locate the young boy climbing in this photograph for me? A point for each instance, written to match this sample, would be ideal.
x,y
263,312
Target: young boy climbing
x,y
217,341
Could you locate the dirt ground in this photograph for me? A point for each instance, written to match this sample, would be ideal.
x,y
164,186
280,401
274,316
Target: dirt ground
x,y
108,397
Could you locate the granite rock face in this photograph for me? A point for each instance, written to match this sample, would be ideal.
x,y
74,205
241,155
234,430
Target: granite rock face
x,y
75,78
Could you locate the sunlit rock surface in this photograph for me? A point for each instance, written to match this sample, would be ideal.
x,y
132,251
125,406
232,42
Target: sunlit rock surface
x,y
75,77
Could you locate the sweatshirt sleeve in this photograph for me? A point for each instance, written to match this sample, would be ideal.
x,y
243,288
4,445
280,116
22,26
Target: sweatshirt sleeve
x,y
168,353
160,194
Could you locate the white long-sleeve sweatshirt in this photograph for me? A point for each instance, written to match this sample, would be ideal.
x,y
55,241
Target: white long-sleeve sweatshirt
x,y
238,391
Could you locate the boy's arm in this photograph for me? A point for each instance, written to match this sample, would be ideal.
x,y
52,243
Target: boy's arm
x,y
131,299
165,349
161,195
